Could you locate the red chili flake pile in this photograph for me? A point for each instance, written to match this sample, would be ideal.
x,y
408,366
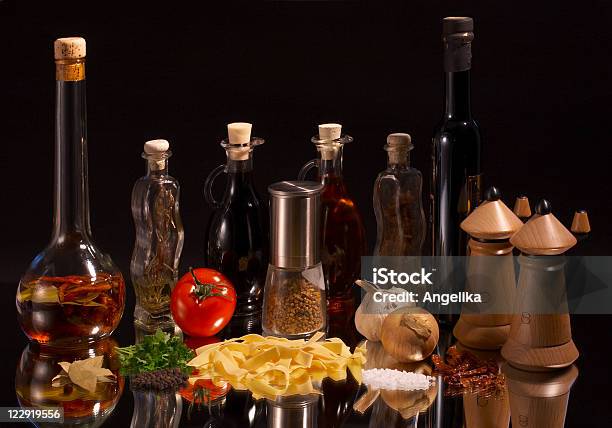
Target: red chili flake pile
x,y
464,372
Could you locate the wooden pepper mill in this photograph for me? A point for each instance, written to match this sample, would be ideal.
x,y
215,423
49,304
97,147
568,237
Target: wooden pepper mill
x,y
539,400
490,227
540,335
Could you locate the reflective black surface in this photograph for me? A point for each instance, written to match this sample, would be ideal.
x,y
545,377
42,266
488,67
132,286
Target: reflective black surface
x,y
334,408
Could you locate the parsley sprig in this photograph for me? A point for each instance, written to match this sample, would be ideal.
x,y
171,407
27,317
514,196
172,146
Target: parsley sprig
x,y
156,351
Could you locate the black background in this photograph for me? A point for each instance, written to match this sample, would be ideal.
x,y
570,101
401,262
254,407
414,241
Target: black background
x,y
540,90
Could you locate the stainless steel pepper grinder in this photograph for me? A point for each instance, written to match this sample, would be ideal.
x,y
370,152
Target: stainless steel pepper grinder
x,y
294,295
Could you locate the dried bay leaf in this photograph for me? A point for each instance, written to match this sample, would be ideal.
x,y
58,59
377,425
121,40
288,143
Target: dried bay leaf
x,y
84,373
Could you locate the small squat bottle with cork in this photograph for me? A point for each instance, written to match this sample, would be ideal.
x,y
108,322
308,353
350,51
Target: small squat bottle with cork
x,y
236,242
397,202
344,238
159,239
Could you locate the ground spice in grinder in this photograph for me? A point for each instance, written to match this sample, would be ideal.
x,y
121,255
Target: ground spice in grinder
x,y
295,307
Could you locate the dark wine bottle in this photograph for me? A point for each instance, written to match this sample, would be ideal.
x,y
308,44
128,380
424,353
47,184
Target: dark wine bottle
x,y
456,176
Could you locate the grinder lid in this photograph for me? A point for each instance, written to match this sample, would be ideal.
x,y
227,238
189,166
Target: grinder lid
x,y
492,219
543,234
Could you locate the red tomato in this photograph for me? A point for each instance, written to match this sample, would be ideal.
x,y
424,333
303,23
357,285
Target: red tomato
x,y
203,302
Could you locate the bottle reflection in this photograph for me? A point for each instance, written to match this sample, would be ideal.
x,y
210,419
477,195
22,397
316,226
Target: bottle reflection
x,y
153,409
220,407
33,383
539,399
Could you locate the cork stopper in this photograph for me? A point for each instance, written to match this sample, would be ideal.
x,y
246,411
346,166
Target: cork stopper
x,y
330,131
492,219
239,134
522,208
156,153
327,133
580,223
543,234
156,146
69,48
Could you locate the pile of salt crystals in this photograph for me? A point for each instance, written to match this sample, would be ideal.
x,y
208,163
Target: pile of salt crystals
x,y
396,380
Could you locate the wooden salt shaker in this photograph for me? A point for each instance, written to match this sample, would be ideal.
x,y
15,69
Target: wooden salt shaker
x,y
539,399
490,227
540,335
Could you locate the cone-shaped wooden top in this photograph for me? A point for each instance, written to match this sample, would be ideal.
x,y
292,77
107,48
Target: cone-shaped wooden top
x,y
543,234
522,208
580,223
492,219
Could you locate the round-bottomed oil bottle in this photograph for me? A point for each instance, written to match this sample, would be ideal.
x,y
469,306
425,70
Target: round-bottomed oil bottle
x,y
72,293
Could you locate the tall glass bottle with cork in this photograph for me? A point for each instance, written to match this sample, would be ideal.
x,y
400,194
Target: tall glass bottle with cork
x,y
159,239
397,202
344,238
237,237
72,293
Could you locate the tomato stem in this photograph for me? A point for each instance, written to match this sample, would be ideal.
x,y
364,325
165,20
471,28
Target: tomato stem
x,y
202,290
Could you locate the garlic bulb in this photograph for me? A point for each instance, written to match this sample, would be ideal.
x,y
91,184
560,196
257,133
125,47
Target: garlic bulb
x,y
410,334
370,314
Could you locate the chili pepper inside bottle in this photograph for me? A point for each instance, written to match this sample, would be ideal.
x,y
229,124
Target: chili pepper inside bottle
x,y
237,240
159,239
344,238
72,293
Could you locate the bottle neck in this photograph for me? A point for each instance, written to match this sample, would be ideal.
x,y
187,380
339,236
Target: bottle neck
x,y
157,167
330,162
71,205
398,158
457,95
457,65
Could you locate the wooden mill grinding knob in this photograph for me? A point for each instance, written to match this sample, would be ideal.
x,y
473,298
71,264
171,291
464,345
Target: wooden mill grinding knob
x,y
487,325
539,399
540,335
522,208
580,223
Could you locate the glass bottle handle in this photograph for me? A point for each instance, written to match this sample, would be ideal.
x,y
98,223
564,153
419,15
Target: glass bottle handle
x,y
307,167
208,196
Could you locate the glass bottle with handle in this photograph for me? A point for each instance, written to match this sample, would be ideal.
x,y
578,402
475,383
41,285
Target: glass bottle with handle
x,y
344,239
159,239
72,293
236,242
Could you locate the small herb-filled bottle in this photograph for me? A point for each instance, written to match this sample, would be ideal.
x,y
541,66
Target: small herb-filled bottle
x,y
159,239
344,239
397,202
236,239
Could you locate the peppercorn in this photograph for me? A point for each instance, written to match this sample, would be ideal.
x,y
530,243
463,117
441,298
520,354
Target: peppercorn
x,y
159,380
